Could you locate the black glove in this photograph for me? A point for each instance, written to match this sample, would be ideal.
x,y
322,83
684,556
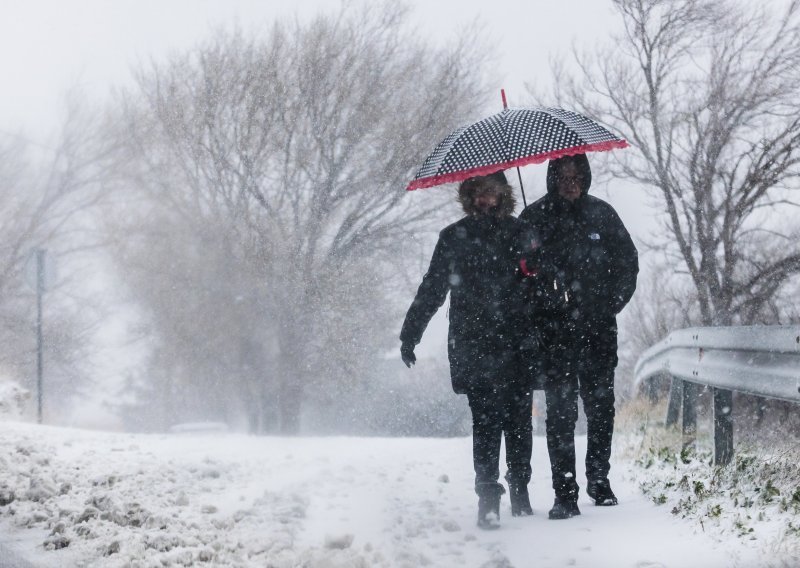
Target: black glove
x,y
407,354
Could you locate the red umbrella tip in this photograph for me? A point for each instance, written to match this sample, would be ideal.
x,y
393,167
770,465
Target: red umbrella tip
x,y
503,96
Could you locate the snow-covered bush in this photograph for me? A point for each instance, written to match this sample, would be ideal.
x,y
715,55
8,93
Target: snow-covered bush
x,y
12,399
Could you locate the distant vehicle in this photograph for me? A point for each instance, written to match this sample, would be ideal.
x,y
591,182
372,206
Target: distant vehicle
x,y
199,428
13,399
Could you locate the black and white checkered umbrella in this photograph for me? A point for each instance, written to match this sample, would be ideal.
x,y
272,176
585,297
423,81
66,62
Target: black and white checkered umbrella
x,y
513,137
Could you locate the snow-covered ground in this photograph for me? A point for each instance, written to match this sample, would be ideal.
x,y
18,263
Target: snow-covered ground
x,y
84,498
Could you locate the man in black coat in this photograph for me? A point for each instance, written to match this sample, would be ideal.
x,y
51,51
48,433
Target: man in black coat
x,y
588,258
476,260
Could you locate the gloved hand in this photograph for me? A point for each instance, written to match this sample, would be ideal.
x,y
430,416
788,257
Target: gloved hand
x,y
531,264
407,354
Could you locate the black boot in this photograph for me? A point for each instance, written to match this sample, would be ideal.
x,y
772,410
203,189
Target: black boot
x,y
489,505
601,494
566,490
564,509
520,501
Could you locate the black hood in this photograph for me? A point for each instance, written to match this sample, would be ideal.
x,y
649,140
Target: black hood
x,y
581,161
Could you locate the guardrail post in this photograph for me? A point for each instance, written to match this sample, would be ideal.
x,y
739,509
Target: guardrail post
x,y
689,413
757,360
674,403
723,426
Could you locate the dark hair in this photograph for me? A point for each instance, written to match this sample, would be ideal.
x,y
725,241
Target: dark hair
x,y
554,170
492,182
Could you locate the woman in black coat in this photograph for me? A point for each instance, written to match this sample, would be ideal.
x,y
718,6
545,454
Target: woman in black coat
x,y
476,260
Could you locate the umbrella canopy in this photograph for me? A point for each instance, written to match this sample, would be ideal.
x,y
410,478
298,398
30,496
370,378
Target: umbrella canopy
x,y
513,137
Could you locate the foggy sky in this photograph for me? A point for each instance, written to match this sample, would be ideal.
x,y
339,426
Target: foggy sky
x,y
48,46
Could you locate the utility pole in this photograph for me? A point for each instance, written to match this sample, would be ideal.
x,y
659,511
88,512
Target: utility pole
x,y
40,267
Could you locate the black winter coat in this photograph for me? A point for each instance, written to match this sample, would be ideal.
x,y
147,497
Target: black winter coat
x,y
587,254
476,261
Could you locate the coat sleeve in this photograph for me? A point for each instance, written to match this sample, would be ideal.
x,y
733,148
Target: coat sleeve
x,y
625,262
430,295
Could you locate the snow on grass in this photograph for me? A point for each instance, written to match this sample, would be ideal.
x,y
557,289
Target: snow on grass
x,y
79,498
755,498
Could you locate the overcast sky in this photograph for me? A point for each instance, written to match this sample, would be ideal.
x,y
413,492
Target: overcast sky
x,y
48,46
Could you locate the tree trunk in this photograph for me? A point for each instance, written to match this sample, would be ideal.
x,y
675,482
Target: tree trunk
x,y
291,397
291,372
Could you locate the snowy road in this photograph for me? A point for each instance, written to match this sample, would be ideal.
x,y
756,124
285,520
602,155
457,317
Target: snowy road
x,y
232,500
10,559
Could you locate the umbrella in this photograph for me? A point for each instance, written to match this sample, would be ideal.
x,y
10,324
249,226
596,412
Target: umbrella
x,y
512,137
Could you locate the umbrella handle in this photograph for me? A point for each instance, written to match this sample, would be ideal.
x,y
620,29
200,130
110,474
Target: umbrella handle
x,y
522,189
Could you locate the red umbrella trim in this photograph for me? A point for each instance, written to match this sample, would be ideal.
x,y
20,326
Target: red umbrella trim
x,y
537,159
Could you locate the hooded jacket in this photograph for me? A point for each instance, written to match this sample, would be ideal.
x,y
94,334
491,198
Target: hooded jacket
x,y
475,261
586,252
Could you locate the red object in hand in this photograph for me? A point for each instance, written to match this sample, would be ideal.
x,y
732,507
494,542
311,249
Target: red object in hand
x,y
523,266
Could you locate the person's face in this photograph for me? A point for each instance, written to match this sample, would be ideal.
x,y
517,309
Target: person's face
x,y
569,181
486,200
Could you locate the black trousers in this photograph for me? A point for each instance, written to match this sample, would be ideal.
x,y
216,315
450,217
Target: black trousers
x,y
581,363
497,411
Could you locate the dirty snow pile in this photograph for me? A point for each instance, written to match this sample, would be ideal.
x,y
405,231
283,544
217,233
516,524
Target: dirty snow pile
x,y
79,498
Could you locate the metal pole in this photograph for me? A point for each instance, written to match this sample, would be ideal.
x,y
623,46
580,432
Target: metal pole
x,y
723,426
674,404
689,413
40,259
522,189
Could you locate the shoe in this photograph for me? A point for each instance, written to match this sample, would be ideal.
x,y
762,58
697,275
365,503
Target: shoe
x,y
520,501
489,505
600,492
564,510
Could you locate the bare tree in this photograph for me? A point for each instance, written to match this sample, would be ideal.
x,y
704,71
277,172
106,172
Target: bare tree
x,y
293,149
46,196
664,301
708,93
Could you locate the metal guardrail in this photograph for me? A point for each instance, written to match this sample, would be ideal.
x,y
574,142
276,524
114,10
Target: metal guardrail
x,y
758,360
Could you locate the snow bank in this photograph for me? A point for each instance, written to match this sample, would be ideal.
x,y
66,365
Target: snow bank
x,y
72,497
